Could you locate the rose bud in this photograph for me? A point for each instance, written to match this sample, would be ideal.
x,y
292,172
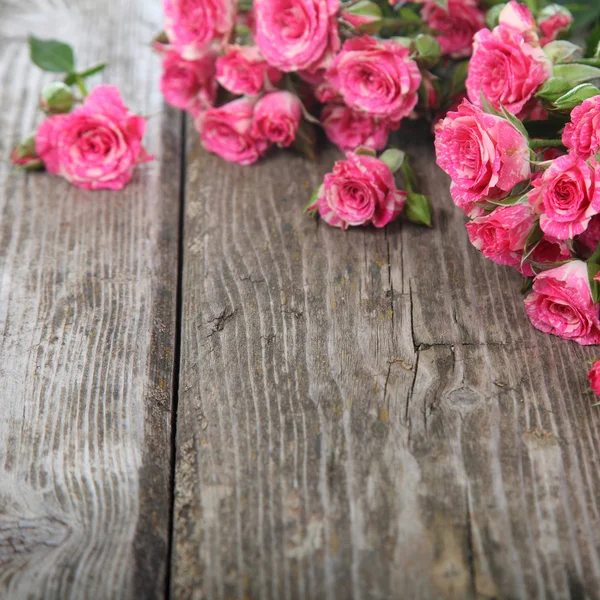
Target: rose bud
x,y
226,132
242,70
484,155
567,196
96,146
361,13
594,377
519,18
57,98
277,116
24,155
358,191
561,304
554,22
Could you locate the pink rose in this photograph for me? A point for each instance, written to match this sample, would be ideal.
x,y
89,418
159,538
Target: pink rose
x,y
484,155
349,129
226,131
594,377
506,69
97,145
377,77
297,34
549,251
359,190
456,26
582,134
554,21
191,25
277,116
189,84
242,70
566,196
519,18
561,304
501,235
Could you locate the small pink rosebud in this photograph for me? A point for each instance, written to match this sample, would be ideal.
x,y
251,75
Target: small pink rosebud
x,y
57,98
594,377
24,155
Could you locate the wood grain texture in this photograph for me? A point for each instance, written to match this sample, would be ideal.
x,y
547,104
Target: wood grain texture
x,y
369,414
87,316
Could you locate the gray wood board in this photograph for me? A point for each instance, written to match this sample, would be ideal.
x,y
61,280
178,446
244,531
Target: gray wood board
x,y
369,414
87,314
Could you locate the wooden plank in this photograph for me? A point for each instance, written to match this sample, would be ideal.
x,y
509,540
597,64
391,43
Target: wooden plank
x,y
369,414
87,313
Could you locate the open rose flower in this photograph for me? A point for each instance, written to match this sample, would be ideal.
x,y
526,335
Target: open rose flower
x,y
377,77
502,234
456,26
96,146
226,131
561,304
582,134
506,69
189,84
554,21
594,377
349,129
242,70
297,35
484,155
358,191
191,25
567,196
277,116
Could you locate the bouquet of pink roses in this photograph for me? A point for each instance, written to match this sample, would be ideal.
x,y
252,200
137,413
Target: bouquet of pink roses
x,y
522,156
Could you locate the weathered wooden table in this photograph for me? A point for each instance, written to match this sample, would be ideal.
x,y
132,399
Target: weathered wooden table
x,y
206,394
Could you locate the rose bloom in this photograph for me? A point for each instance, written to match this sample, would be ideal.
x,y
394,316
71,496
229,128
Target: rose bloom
x,y
505,69
553,21
277,116
191,25
566,196
242,70
359,190
484,155
349,129
377,77
456,26
189,84
582,134
97,145
561,304
501,235
594,377
226,131
519,18
297,34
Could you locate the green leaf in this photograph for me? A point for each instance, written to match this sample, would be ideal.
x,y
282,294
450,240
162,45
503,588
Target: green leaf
x,y
576,73
492,15
510,201
393,158
576,96
417,209
595,257
593,270
526,285
442,4
533,239
554,88
459,77
313,198
51,55
592,42
487,107
516,123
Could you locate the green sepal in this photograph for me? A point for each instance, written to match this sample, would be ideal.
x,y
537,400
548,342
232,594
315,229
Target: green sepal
x,y
576,96
554,88
393,158
533,239
313,198
516,123
576,73
418,209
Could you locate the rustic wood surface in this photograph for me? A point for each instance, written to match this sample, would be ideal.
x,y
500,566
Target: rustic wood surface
x,y
87,313
362,414
369,414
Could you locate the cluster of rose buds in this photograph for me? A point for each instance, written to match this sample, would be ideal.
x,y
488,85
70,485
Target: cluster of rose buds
x,y
93,141
522,156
